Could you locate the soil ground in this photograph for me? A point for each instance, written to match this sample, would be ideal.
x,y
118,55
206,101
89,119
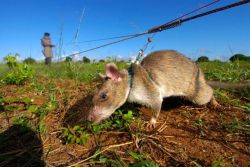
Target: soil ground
x,y
186,135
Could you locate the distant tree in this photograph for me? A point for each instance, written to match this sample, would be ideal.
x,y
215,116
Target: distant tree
x,y
101,61
202,59
112,58
239,57
85,60
217,61
122,61
68,59
29,60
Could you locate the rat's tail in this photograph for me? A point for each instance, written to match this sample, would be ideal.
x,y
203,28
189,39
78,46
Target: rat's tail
x,y
226,85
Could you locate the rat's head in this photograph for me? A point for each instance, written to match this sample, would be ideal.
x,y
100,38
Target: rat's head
x,y
111,95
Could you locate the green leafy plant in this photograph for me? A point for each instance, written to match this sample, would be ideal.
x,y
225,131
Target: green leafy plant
x,y
21,121
118,120
200,125
33,108
19,74
43,111
216,164
11,61
114,161
75,135
106,159
140,161
121,120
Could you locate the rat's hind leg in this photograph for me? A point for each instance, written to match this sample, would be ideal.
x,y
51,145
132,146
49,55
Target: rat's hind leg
x,y
214,102
201,92
203,95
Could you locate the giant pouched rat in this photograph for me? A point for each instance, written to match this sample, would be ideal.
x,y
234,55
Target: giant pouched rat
x,y
161,74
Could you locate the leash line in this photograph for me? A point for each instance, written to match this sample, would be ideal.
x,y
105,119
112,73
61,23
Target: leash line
x,y
171,24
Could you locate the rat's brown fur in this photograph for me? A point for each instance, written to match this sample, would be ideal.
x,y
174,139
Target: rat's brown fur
x,y
160,74
168,73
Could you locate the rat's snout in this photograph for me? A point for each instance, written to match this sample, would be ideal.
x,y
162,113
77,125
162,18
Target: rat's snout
x,y
93,114
97,114
90,117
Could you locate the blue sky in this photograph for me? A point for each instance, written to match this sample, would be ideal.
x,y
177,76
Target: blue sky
x,y
217,36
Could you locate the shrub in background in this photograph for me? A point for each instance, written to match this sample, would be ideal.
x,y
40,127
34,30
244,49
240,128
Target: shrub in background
x,y
85,60
29,60
239,57
68,59
217,61
203,59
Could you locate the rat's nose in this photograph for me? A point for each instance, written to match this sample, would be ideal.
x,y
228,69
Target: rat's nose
x,y
90,117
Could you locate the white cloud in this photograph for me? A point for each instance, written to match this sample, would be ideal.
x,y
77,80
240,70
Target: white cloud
x,y
76,56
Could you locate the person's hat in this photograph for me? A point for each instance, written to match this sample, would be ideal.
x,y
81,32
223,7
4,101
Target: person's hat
x,y
46,34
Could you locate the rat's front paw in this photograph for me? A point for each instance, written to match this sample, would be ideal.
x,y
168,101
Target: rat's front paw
x,y
151,124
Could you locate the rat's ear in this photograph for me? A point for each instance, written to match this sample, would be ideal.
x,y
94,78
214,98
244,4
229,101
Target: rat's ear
x,y
112,72
102,76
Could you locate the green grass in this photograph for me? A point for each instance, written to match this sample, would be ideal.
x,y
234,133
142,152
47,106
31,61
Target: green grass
x,y
237,126
3,69
226,71
84,72
87,72
232,72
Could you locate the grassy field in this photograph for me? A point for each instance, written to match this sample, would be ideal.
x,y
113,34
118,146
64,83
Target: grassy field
x,y
43,121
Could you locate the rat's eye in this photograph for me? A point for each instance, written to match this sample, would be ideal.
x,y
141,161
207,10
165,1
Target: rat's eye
x,y
103,96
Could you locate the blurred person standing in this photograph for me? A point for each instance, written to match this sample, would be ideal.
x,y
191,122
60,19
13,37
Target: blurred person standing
x,y
47,51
